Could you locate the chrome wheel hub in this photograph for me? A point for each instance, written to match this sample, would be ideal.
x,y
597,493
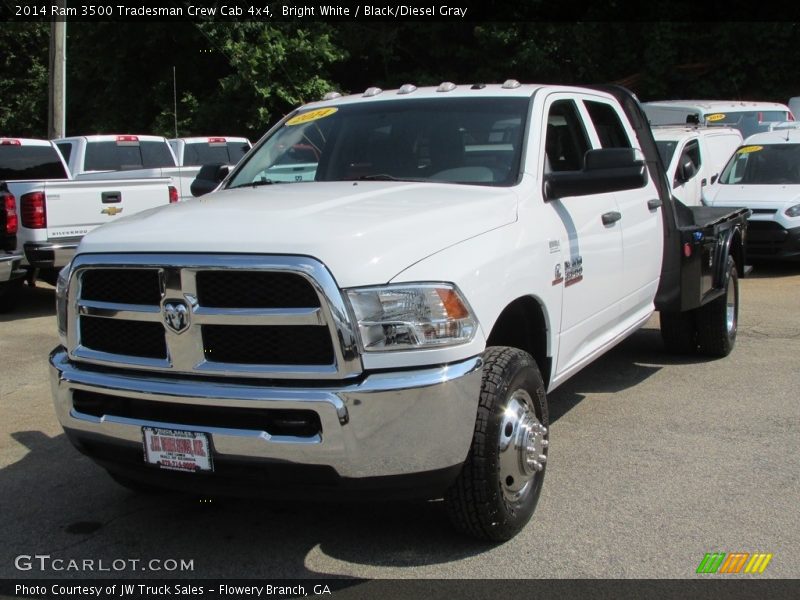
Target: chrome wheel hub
x,y
523,446
730,309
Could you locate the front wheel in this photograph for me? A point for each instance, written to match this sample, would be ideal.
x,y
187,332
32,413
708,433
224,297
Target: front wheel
x,y
718,321
498,488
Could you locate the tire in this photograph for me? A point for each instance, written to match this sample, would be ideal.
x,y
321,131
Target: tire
x,y
9,294
717,321
497,490
679,332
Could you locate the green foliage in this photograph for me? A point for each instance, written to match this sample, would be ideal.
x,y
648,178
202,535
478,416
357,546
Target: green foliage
x,y
24,50
241,77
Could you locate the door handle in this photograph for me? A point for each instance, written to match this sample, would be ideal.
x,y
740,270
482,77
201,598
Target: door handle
x,y
654,203
610,218
110,197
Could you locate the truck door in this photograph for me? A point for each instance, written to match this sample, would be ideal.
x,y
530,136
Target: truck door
x,y
589,263
640,222
689,180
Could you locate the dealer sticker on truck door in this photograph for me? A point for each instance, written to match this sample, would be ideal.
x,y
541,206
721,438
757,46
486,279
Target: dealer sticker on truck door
x,y
176,449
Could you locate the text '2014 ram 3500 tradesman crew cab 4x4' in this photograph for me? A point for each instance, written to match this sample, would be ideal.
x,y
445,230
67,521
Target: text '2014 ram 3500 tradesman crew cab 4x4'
x,y
394,323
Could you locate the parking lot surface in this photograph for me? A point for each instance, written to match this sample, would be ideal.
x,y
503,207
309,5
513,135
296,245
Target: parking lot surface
x,y
654,461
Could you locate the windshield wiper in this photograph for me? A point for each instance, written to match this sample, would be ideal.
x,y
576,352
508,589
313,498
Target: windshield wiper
x,y
387,177
256,183
379,177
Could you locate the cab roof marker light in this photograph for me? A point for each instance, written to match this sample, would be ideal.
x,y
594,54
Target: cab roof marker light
x,y
372,91
511,84
407,88
477,86
446,86
331,96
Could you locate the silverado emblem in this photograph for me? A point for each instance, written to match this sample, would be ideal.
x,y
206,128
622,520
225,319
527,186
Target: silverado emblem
x,y
176,315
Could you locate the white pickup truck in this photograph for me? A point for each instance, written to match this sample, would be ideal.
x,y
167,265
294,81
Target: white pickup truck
x,y
393,324
103,157
694,156
54,212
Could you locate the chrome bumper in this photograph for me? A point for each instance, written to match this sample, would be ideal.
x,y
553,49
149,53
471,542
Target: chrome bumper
x,y
10,267
50,255
399,423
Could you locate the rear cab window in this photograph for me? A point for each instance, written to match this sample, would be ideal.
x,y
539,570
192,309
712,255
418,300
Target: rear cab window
x,y
127,155
24,162
206,153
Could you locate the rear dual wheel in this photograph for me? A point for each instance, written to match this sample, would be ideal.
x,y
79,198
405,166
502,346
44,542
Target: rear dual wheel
x,y
709,330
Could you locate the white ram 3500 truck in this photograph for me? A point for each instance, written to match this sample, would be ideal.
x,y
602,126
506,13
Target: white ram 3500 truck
x,y
394,323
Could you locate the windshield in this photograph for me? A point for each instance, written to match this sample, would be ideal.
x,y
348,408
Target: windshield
x,y
748,122
767,164
455,140
666,150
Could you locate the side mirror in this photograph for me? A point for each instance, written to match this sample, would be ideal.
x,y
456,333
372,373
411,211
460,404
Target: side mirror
x,y
208,178
685,172
605,170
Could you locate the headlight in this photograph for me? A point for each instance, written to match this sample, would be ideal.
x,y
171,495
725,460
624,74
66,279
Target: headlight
x,y
407,317
62,294
793,211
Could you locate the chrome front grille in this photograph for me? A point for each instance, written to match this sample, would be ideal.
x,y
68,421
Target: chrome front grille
x,y
228,315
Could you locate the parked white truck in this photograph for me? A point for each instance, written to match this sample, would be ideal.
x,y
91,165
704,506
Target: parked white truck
x,y
694,156
103,157
393,324
54,212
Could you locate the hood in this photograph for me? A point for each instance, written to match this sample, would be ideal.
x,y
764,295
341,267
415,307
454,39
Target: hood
x,y
365,232
753,196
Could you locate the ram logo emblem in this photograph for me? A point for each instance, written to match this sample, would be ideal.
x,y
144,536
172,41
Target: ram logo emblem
x,y
176,315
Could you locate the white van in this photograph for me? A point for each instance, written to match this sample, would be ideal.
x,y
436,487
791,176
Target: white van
x,y
693,157
747,117
764,176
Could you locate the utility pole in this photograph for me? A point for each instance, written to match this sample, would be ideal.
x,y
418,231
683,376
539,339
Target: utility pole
x,y
57,83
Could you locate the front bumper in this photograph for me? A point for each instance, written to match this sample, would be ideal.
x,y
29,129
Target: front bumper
x,y
50,255
388,425
769,239
10,267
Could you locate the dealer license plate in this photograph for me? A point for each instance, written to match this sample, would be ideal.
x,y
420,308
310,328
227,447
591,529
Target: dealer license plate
x,y
176,449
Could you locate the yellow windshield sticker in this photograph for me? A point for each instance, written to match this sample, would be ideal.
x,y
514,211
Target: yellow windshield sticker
x,y
311,115
715,117
748,149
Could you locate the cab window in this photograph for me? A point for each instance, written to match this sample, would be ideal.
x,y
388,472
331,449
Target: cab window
x,y
566,141
607,125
